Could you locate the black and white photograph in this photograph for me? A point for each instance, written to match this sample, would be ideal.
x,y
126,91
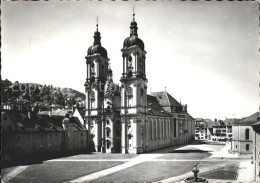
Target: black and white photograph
x,y
130,91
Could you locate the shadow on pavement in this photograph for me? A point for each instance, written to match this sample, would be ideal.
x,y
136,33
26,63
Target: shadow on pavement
x,y
189,151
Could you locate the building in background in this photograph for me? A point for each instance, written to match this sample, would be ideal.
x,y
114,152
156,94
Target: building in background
x,y
27,134
243,134
256,149
221,133
125,118
201,129
217,131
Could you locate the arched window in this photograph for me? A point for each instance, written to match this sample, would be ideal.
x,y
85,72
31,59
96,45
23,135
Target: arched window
x,y
129,73
247,134
92,104
129,101
108,144
108,132
247,147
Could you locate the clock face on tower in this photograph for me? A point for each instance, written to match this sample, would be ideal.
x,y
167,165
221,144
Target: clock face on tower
x,y
92,95
129,91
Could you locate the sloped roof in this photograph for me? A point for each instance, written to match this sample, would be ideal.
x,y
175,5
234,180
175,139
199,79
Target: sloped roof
x,y
76,121
256,124
154,107
38,123
256,127
81,112
165,99
229,121
250,120
192,118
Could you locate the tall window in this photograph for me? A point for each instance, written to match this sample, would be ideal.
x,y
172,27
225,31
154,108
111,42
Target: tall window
x,y
129,93
151,129
155,129
92,104
163,126
169,128
161,122
129,101
108,144
247,134
247,147
159,129
166,128
108,132
174,127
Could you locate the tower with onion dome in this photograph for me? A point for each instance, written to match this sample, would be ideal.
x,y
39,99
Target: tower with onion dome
x,y
97,69
133,92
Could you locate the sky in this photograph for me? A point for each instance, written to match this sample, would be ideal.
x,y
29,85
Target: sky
x,y
204,53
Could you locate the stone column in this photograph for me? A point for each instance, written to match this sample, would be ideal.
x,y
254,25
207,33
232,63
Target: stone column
x,y
123,136
96,133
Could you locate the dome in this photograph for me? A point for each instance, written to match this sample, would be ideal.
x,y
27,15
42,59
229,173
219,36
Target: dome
x,y
133,40
97,49
133,23
96,33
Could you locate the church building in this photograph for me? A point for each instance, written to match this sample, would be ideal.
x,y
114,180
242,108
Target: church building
x,y
125,119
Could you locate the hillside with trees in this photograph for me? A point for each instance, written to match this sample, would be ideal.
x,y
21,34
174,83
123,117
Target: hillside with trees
x,y
46,95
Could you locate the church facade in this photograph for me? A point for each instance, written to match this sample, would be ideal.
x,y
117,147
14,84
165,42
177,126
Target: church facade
x,y
125,119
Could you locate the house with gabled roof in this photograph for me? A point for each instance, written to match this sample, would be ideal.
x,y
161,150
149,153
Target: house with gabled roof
x,y
243,134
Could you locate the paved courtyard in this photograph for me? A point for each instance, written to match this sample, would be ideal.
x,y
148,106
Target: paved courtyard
x,y
165,165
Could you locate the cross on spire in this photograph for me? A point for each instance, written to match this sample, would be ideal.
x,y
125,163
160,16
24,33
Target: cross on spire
x,y
133,6
97,17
